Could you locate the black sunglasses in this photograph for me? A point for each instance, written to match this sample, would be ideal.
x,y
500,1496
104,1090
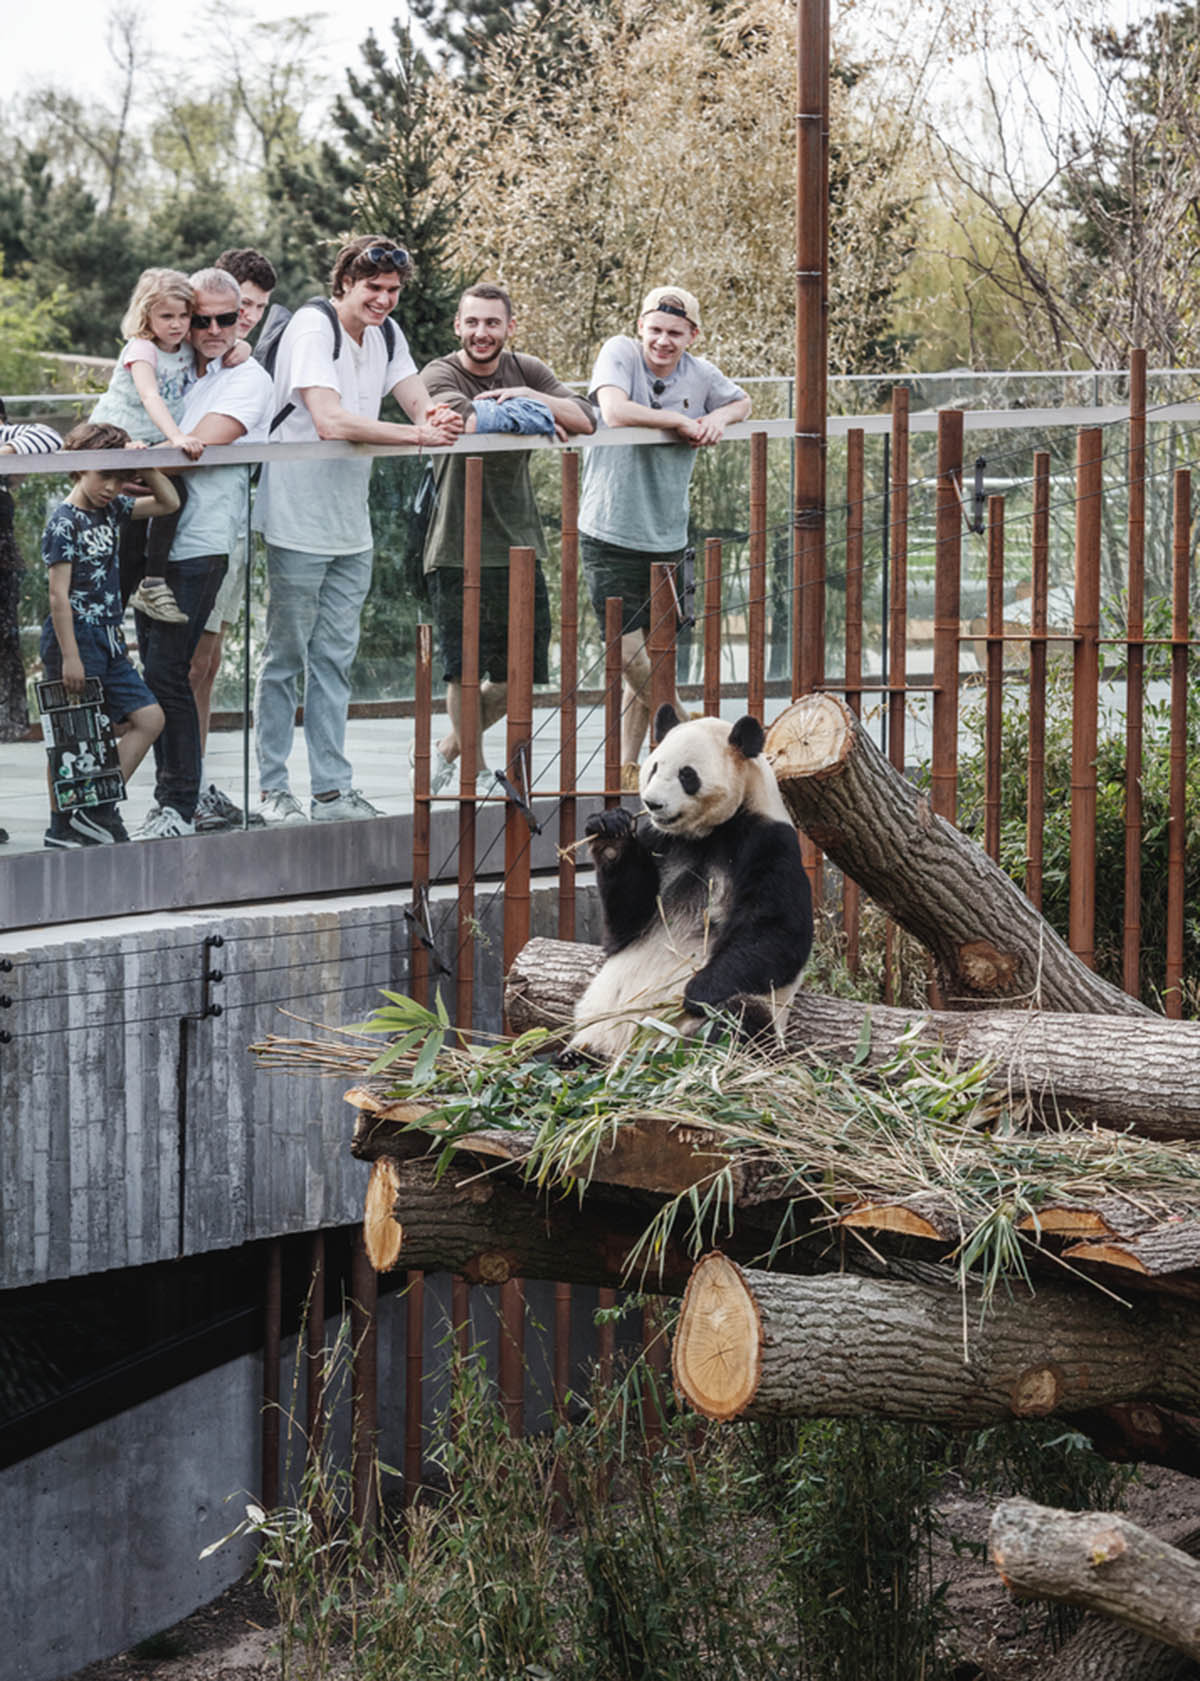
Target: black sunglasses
x,y
386,256
227,318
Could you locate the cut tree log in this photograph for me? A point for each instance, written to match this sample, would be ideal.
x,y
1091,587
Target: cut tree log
x,y
1101,1561
989,945
1140,1075
489,1226
1104,1651
759,1345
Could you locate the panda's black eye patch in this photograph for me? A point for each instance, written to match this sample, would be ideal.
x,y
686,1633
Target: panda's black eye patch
x,y
689,781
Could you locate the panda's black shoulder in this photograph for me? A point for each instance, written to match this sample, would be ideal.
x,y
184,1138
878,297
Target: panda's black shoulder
x,y
754,830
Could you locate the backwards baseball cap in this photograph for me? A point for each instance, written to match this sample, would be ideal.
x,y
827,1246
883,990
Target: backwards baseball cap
x,y
674,301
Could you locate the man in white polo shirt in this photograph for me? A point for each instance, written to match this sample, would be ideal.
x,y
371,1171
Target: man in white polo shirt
x,y
224,406
337,360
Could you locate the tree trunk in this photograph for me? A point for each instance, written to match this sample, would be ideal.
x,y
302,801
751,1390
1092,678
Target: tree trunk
x,y
1103,1562
1102,1651
490,1227
1139,1074
759,1345
988,942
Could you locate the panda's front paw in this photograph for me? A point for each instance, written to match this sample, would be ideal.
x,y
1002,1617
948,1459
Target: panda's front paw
x,y
609,833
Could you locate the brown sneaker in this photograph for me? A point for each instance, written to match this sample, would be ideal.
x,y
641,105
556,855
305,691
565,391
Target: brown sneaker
x,y
157,601
629,779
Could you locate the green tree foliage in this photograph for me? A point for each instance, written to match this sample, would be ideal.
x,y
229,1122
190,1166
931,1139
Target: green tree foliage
x,y
664,148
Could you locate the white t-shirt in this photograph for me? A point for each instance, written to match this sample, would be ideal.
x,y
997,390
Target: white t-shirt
x,y
211,520
320,507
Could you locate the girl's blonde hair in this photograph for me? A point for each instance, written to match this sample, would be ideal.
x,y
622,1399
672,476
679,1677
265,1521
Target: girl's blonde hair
x,y
153,284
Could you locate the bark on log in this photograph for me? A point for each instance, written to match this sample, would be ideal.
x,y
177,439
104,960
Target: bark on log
x,y
1139,1074
988,943
489,1227
1101,1561
1102,1651
758,1345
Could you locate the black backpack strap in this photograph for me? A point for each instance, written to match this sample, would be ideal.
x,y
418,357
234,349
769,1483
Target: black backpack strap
x,y
331,315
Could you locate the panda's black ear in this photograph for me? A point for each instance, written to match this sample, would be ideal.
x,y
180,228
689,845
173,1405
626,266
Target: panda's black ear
x,y
747,736
665,719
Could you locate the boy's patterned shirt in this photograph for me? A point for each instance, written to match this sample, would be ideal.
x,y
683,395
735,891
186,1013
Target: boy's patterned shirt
x,y
88,540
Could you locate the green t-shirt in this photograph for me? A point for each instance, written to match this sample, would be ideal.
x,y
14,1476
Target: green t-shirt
x,y
510,513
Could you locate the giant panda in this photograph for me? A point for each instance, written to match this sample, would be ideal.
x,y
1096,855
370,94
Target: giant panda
x,y
705,905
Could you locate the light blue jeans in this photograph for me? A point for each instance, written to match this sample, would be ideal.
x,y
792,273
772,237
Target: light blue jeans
x,y
313,612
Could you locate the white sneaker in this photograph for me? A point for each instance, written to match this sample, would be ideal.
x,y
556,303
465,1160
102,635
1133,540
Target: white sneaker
x,y
441,769
341,806
278,807
157,601
163,823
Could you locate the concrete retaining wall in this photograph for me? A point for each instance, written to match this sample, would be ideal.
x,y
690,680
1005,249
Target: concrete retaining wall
x,y
133,1128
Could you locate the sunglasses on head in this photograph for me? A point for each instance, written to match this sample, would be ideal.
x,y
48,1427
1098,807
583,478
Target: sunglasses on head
x,y
227,318
385,256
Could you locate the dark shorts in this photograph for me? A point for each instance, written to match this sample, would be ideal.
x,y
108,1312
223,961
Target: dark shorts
x,y
102,650
445,600
610,570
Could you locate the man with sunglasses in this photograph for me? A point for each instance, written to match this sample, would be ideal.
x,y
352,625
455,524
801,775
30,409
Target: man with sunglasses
x,y
634,506
225,406
334,366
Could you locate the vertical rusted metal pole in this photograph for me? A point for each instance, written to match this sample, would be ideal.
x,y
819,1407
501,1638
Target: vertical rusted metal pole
x,y
654,1349
569,683
522,565
422,729
512,1354
1086,694
612,700
712,627
947,591
364,1397
468,761
855,481
660,643
897,672
993,725
414,1374
1135,676
812,200
314,1363
756,586
1177,820
272,1349
562,1387
562,1350
1035,800
606,1339
460,1313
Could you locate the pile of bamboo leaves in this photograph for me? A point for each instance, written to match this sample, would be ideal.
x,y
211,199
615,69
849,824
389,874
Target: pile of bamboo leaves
x,y
918,1124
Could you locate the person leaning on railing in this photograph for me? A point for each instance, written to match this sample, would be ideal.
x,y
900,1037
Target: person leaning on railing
x,y
335,365
634,507
495,389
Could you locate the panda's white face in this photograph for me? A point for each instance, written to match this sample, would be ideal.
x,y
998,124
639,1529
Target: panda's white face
x,y
695,779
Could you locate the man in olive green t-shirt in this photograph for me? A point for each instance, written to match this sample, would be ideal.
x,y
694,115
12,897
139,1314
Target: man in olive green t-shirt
x,y
484,369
